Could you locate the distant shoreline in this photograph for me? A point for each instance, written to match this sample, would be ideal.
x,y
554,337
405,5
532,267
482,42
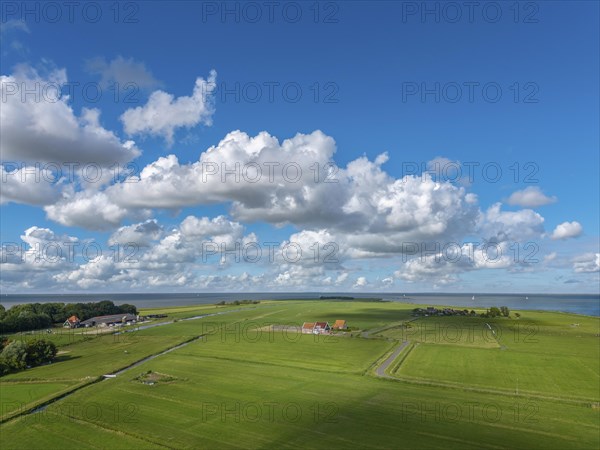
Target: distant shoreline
x,y
581,304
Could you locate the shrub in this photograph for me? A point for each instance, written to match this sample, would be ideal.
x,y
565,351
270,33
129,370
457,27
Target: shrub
x,y
15,355
40,351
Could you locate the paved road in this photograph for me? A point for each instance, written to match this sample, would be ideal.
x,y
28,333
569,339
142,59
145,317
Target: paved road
x,y
160,324
382,368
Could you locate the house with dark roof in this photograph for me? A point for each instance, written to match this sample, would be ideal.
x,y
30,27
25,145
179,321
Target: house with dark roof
x,y
110,321
321,328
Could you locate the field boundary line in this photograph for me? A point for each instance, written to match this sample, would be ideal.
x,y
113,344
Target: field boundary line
x,y
398,324
43,381
34,406
155,355
456,440
117,431
263,363
94,380
464,387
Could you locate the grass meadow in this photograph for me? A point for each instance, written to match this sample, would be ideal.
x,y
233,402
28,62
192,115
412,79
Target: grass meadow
x,y
245,386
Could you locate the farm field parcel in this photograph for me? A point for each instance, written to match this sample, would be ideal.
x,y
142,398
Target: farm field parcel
x,y
247,378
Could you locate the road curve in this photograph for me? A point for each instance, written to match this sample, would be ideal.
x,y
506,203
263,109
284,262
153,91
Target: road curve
x,y
380,371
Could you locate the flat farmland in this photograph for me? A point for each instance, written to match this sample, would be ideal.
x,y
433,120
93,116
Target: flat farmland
x,y
462,331
228,403
545,353
243,386
559,375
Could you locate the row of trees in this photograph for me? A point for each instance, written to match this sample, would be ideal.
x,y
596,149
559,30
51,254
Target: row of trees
x,y
18,355
33,316
239,302
494,311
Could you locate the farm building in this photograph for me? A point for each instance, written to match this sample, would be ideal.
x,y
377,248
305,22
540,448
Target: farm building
x,y
308,327
71,322
322,328
339,325
108,321
316,328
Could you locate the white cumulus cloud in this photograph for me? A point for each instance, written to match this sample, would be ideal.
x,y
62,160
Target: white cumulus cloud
x,y
44,128
90,210
587,263
163,113
530,197
567,230
29,185
516,226
360,282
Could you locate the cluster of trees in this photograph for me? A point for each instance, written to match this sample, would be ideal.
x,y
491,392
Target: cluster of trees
x,y
33,316
239,302
18,355
494,311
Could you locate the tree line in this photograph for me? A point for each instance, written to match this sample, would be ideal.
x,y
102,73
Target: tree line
x,y
494,311
238,302
34,316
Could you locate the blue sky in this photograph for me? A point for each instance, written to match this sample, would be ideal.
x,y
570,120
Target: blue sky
x,y
532,74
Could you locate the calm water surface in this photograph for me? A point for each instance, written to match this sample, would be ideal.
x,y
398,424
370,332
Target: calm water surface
x,y
572,303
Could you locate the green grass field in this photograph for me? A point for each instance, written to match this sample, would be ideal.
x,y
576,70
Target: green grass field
x,y
246,386
18,394
463,331
544,353
564,376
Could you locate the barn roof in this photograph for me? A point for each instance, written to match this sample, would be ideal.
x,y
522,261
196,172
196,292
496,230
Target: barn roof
x,y
109,319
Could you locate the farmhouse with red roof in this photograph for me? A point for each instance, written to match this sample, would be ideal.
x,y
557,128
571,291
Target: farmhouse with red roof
x,y
71,322
339,325
308,327
316,328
